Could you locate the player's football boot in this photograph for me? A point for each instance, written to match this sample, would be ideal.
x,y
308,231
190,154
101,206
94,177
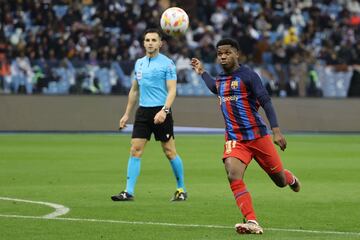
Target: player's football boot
x,y
123,196
296,185
179,195
250,227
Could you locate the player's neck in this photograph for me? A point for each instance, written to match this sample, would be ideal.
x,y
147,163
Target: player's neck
x,y
231,69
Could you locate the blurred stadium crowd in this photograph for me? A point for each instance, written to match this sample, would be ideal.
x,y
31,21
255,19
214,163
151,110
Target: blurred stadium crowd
x,y
299,47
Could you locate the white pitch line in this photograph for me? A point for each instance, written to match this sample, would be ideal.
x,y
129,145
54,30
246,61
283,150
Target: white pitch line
x,y
59,209
178,225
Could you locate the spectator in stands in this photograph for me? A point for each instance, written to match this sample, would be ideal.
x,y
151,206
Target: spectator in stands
x,y
290,37
5,74
22,73
135,50
183,67
281,66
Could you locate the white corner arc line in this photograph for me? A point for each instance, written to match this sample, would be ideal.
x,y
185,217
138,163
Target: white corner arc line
x,y
178,225
59,209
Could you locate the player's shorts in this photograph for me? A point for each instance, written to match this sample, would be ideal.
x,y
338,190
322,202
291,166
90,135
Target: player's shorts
x,y
144,125
261,149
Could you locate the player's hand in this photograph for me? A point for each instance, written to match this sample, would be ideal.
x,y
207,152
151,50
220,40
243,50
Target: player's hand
x,y
160,117
122,121
279,139
197,66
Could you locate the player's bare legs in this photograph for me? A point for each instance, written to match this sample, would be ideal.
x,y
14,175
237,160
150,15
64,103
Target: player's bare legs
x,y
272,164
235,168
235,172
279,179
284,177
177,167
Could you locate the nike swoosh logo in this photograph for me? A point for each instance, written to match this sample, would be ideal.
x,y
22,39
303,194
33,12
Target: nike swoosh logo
x,y
272,169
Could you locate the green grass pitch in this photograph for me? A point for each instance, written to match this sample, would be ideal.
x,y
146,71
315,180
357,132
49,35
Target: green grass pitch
x,y
82,171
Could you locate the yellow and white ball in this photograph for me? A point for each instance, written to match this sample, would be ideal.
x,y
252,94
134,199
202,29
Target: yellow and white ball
x,y
174,21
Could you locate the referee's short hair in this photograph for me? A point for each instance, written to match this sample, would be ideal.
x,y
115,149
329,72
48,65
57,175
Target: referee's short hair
x,y
229,41
153,30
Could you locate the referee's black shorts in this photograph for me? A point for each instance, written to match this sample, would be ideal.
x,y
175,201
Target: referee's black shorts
x,y
144,125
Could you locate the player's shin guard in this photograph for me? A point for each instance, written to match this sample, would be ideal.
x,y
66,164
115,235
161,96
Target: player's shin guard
x,y
243,199
177,167
290,179
133,172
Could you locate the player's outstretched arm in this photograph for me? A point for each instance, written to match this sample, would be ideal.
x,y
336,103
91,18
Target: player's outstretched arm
x,y
199,69
132,99
197,66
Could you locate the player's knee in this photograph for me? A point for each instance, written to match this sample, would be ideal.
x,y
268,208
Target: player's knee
x,y
136,151
233,175
233,171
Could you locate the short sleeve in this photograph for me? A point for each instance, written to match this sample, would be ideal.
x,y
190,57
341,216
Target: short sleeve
x,y
171,71
135,71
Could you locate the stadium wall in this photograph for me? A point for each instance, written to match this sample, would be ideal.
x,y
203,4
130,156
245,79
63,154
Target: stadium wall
x,y
101,113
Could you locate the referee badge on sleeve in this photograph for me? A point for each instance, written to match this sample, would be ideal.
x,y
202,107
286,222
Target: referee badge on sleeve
x,y
138,75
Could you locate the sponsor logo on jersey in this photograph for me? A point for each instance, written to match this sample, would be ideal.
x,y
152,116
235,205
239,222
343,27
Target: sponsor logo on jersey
x,y
228,98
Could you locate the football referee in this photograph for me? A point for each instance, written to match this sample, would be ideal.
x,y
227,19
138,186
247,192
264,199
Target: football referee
x,y
155,88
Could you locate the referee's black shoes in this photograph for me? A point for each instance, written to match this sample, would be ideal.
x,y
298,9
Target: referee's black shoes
x,y
179,195
123,196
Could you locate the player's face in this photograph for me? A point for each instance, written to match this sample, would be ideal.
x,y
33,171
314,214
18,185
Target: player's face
x,y
228,57
152,43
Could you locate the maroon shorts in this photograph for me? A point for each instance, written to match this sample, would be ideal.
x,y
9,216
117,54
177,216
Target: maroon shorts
x,y
261,149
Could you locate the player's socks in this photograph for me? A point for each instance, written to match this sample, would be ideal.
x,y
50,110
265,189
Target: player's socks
x,y
177,167
290,178
133,172
243,199
292,181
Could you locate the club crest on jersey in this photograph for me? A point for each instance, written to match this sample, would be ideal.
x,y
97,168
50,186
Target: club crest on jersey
x,y
234,84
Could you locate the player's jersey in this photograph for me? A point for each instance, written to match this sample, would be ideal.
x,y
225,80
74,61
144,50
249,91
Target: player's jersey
x,y
238,95
151,75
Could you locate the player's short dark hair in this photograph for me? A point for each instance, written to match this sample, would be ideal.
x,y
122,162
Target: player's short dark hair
x,y
229,41
152,30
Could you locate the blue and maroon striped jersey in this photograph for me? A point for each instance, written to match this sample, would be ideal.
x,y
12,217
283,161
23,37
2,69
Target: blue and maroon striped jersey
x,y
238,95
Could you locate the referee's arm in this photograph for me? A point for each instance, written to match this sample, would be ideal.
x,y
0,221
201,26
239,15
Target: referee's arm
x,y
171,87
161,115
132,99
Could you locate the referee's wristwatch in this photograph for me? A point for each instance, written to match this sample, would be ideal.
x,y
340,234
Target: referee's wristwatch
x,y
166,109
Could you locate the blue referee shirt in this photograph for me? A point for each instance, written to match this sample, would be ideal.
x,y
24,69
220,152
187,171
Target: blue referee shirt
x,y
151,75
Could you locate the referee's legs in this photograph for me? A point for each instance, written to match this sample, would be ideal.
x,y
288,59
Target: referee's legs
x,y
175,161
133,170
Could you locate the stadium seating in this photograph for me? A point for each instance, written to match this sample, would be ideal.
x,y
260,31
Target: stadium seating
x,y
49,32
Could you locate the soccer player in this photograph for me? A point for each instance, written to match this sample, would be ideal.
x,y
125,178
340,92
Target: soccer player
x,y
240,93
155,87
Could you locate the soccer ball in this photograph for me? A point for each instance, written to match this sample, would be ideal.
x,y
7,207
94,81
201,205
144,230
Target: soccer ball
x,y
174,21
